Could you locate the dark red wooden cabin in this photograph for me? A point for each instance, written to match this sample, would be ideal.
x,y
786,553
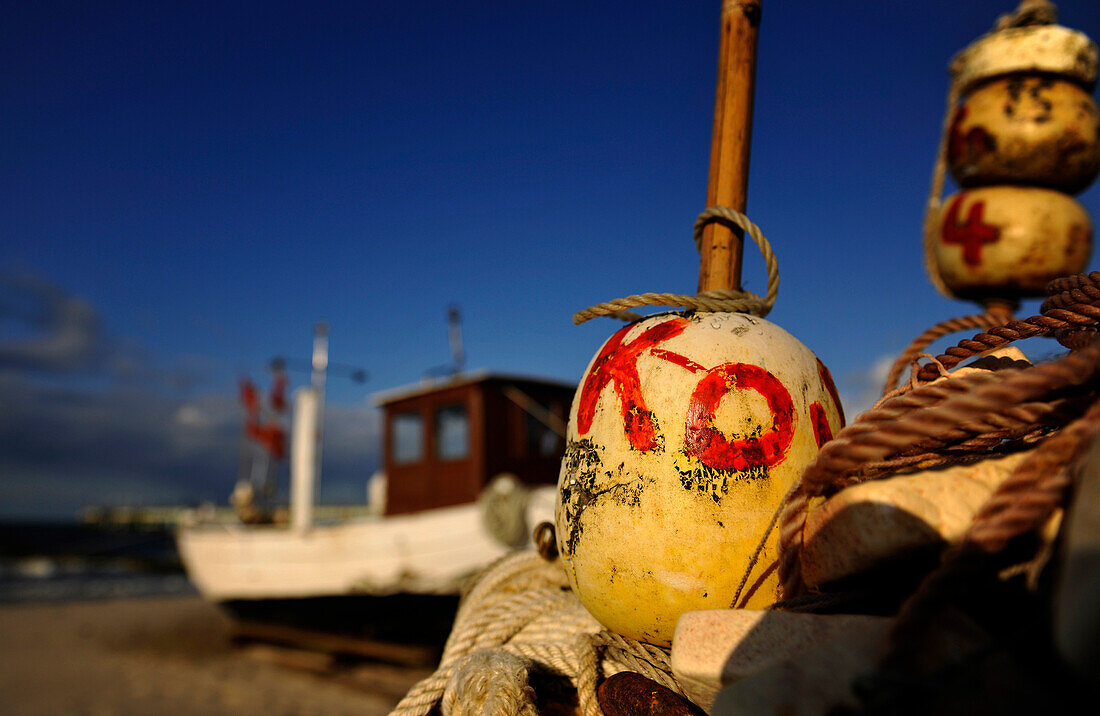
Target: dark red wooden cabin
x,y
443,441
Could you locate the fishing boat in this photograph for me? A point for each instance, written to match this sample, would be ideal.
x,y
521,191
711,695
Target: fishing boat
x,y
469,464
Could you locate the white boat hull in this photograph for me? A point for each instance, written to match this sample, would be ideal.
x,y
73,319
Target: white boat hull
x,y
431,552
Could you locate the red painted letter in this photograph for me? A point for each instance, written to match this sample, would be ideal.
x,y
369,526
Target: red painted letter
x,y
706,442
830,386
617,363
973,234
822,432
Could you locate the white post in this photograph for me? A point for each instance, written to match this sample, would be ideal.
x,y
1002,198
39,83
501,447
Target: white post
x,y
320,366
303,457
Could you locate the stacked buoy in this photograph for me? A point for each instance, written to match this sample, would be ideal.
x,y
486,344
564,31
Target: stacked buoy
x,y
1024,138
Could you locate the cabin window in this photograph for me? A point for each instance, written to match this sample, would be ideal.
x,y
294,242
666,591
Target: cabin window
x,y
408,438
541,440
452,433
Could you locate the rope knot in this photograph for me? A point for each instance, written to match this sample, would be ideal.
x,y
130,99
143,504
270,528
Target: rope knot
x,y
723,300
1030,12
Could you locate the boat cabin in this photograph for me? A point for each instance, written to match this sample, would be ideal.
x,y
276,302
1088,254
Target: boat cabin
x,y
445,440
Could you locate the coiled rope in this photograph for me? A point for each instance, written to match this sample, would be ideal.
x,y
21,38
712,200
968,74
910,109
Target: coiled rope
x,y
518,617
725,300
989,319
1070,314
972,415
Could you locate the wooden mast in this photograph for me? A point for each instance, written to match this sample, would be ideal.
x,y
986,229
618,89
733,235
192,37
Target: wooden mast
x,y
720,263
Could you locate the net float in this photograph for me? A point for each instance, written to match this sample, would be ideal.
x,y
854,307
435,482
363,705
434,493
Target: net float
x,y
1037,48
684,436
1010,241
1026,129
1021,132
689,428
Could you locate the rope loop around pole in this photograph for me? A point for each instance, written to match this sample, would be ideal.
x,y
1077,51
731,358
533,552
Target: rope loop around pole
x,y
724,300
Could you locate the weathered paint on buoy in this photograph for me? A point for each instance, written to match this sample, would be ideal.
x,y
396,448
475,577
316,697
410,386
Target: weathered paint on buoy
x,y
1033,49
684,435
1026,130
1010,241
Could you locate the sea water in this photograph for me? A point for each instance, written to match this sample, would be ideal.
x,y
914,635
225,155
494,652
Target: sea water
x,y
50,562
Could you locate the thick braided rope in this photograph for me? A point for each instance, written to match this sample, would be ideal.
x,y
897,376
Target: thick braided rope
x,y
1075,339
490,684
521,616
1022,504
1069,290
990,400
576,660
491,598
623,654
1080,293
941,329
725,300
1074,305
920,421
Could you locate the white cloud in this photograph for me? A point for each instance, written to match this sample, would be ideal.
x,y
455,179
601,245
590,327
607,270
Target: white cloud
x,y
60,332
191,416
61,447
861,389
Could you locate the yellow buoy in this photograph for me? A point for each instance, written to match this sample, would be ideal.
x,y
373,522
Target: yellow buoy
x,y
1026,130
684,435
1025,134
1010,241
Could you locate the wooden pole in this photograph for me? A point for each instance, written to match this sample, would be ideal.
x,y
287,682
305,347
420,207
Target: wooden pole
x,y
720,264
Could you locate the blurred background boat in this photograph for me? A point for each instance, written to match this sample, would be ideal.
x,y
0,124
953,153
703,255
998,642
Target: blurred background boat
x,y
470,460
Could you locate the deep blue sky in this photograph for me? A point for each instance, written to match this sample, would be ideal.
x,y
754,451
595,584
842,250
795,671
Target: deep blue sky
x,y
199,182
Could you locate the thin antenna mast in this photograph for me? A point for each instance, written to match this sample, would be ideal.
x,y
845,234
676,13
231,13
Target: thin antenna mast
x,y
320,369
454,330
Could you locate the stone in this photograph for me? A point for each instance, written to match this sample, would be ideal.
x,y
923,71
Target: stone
x,y
629,694
714,649
867,525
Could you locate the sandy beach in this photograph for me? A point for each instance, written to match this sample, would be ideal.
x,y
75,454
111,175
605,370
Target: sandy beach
x,y
170,655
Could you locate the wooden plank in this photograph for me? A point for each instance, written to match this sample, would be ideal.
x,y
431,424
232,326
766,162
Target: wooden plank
x,y
389,652
298,659
383,679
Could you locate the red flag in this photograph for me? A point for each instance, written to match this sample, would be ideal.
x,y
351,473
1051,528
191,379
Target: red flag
x,y
271,436
250,399
278,391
